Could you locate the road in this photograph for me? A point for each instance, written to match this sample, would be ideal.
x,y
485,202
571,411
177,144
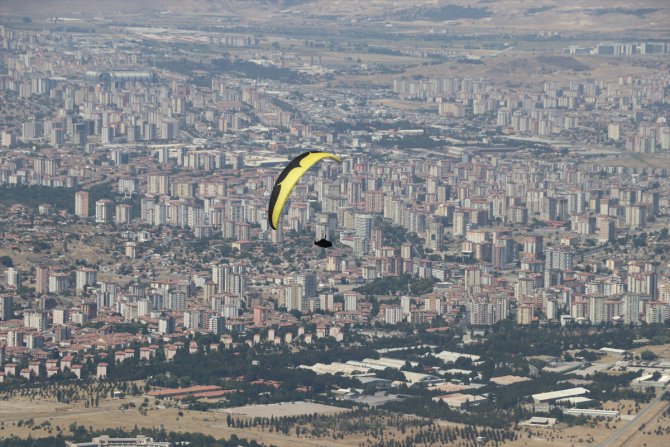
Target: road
x,y
615,438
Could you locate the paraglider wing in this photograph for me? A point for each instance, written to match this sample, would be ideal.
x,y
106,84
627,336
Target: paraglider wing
x,y
287,180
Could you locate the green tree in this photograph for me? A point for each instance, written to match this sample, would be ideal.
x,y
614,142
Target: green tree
x,y
647,356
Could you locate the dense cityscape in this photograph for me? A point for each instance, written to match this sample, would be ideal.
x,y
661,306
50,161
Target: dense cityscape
x,y
500,268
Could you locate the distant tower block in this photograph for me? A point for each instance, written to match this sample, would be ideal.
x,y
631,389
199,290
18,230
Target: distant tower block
x,y
41,279
163,155
406,251
131,250
103,211
276,236
81,203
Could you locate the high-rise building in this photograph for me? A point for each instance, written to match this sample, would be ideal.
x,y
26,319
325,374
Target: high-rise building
x,y
294,297
12,277
216,324
192,319
524,314
60,316
62,333
631,308
461,220
606,229
643,283
112,290
657,313
133,134
123,214
163,155
613,132
350,301
393,314
144,307
597,309
58,282
361,246
85,277
435,236
176,300
363,224
158,184
326,226
41,279
219,274
103,299
169,129
559,257
15,338
89,309
550,309
664,292
636,216
406,251
502,309
326,301
482,314
31,130
57,137
6,307
308,283
260,315
405,304
103,211
433,304
236,283
533,246
81,203
34,341
131,249
36,320
583,224
230,311
166,325
107,135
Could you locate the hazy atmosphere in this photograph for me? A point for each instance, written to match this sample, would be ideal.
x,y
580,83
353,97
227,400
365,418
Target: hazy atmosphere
x,y
334,223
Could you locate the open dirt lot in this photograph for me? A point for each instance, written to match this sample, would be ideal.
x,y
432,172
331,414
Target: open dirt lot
x,y
108,415
567,17
656,432
283,409
662,351
635,160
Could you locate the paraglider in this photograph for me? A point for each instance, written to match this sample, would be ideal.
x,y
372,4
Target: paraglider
x,y
288,179
323,243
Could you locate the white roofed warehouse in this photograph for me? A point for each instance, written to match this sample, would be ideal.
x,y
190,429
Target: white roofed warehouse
x,y
562,394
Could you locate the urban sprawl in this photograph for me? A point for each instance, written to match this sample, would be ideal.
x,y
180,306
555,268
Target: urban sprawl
x,y
500,249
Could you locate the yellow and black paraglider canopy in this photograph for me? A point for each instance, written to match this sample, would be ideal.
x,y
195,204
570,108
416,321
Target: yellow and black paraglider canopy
x,y
288,179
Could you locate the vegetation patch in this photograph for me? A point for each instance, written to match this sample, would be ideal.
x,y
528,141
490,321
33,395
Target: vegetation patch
x,y
563,62
441,13
639,12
